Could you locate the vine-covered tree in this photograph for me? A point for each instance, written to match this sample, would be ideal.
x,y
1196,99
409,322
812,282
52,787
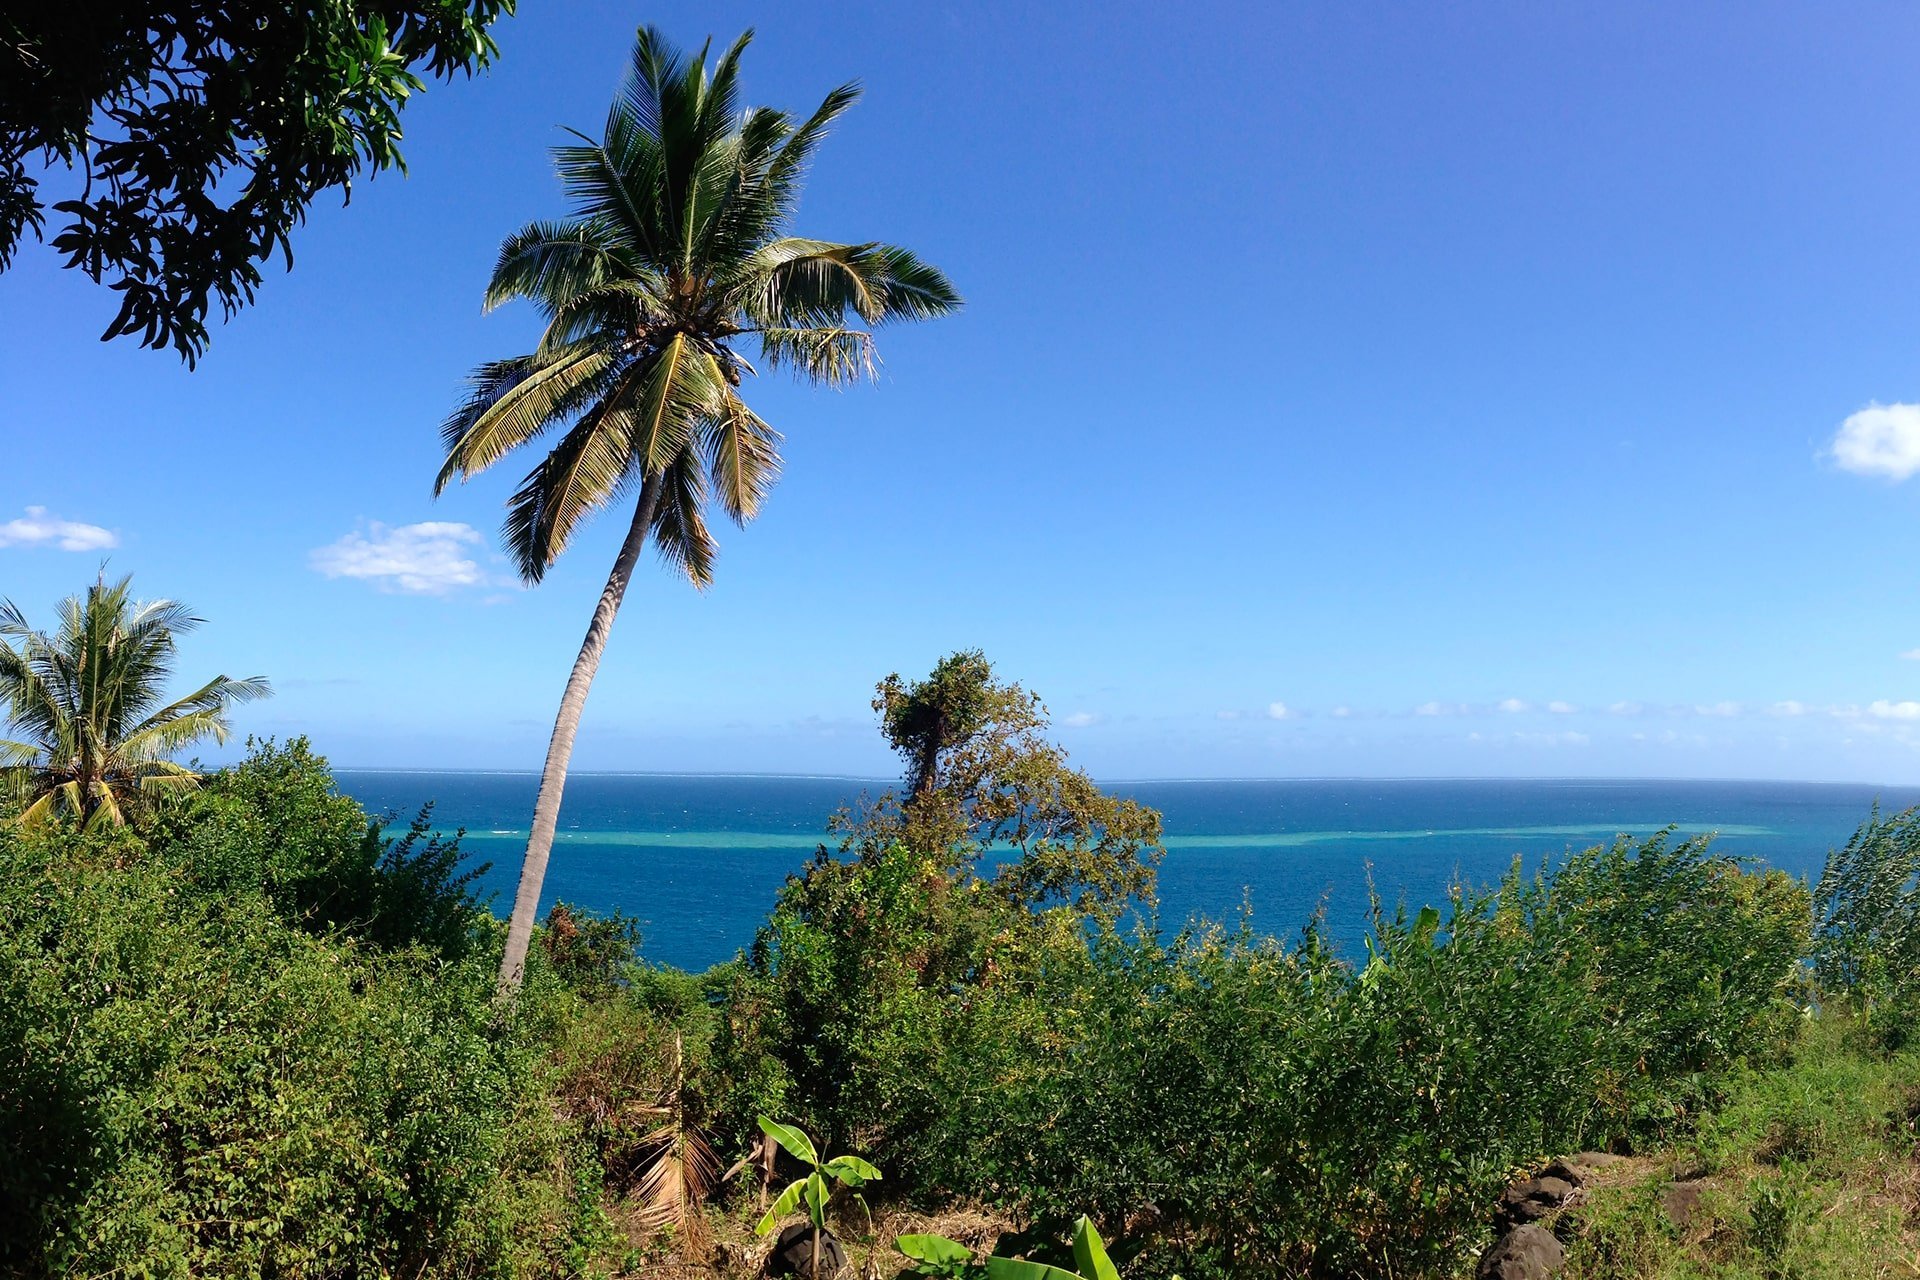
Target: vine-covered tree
x,y
88,699
676,254
203,130
984,783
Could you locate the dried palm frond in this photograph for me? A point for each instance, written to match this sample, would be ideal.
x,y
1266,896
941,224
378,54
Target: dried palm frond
x,y
679,1171
678,1166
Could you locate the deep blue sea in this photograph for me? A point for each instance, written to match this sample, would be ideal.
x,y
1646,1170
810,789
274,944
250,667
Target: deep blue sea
x,y
700,858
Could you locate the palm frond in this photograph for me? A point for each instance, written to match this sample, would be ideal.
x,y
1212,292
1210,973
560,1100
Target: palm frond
x,y
680,534
743,457
681,1171
798,283
832,357
514,401
586,470
549,262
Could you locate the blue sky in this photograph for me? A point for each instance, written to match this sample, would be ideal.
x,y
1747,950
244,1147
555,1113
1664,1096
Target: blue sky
x,y
1342,390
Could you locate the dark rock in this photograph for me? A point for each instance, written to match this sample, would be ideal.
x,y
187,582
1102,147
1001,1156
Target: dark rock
x,y
1531,1200
1527,1252
1553,1190
1680,1201
1566,1172
793,1254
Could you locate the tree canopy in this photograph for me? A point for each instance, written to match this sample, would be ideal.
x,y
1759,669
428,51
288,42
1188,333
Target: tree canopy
x,y
674,256
203,130
90,699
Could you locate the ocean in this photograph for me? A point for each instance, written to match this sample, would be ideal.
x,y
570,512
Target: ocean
x,y
699,859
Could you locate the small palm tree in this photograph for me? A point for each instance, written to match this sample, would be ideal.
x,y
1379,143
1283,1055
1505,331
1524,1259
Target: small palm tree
x,y
675,254
88,699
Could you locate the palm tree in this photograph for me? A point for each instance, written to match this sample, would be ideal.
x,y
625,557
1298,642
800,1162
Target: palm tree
x,y
674,255
88,700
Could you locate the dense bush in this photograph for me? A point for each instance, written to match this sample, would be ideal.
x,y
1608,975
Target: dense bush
x,y
1868,937
260,1036
260,1039
274,823
1245,1104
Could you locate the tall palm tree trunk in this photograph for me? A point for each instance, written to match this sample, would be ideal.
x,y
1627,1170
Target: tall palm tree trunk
x,y
553,778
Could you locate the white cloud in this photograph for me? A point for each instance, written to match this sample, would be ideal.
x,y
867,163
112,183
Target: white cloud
x,y
1626,708
430,558
1719,709
1912,655
1560,708
1278,711
1885,710
1341,712
1432,709
1788,708
1880,440
1514,705
1080,720
37,529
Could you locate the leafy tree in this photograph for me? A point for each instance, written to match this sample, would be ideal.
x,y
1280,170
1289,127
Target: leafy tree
x,y
88,697
983,781
674,255
204,131
883,977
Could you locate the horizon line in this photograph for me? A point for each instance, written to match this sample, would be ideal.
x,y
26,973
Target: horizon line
x,y
1591,779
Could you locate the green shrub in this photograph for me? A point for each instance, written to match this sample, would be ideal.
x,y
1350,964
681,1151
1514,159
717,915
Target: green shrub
x,y
263,1040
276,823
1248,1105
1867,944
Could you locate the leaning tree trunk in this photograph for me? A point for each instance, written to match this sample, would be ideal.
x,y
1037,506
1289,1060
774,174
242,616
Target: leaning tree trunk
x,y
553,778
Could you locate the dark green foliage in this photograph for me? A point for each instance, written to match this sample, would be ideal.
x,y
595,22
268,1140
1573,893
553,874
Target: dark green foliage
x,y
989,871
262,1039
205,131
996,1033
592,954
1868,936
275,823
188,1085
1238,1104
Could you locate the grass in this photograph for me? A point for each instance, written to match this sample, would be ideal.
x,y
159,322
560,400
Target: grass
x,y
1807,1170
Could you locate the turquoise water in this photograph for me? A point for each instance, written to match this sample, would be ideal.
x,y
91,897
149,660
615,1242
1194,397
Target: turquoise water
x,y
699,859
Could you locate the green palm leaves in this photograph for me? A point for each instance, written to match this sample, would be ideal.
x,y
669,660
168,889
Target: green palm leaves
x,y
674,255
96,738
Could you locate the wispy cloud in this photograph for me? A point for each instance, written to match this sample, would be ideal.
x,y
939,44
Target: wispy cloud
x,y
1341,712
1788,708
1278,711
1626,708
1514,705
1722,710
1080,720
1912,655
1885,710
1568,739
1879,440
430,558
38,528
1560,708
